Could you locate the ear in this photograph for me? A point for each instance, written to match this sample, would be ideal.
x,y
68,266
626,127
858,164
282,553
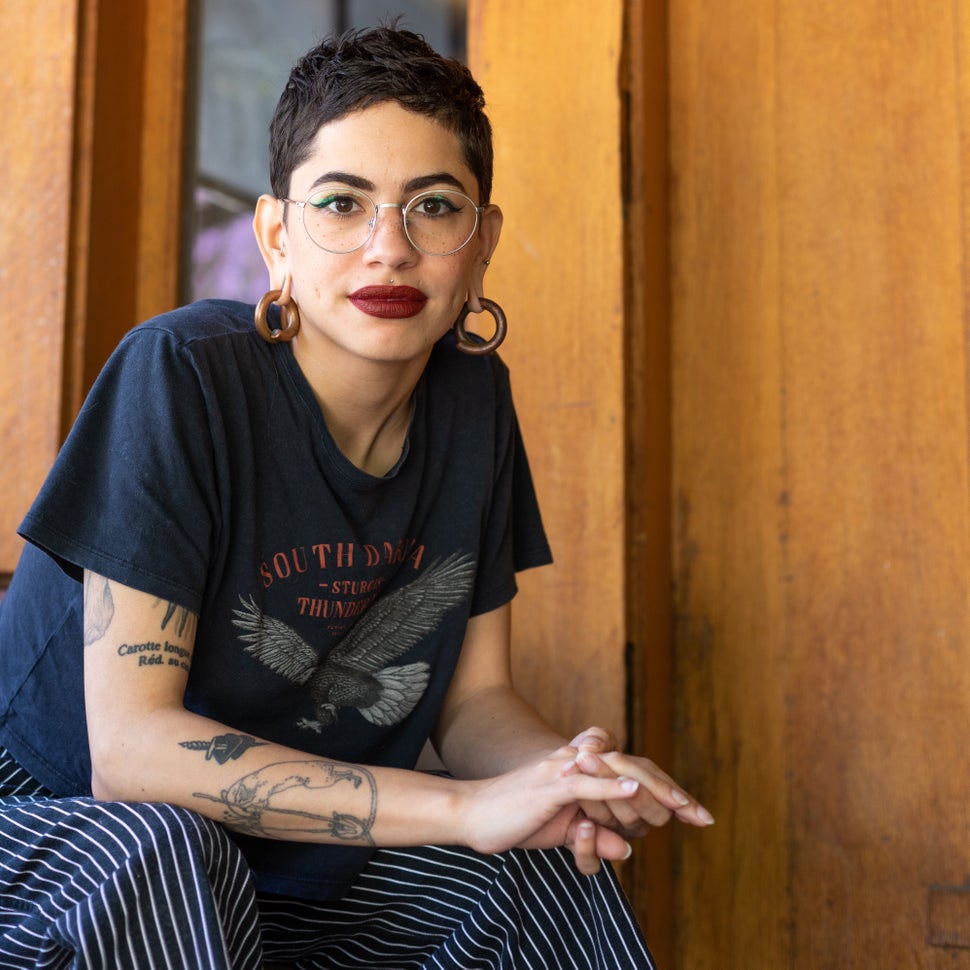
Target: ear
x,y
271,236
489,230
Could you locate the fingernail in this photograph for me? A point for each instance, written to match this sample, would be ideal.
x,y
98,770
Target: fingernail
x,y
628,853
586,829
680,798
704,815
629,784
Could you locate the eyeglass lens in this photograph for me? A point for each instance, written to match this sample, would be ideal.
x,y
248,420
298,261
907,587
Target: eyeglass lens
x,y
439,222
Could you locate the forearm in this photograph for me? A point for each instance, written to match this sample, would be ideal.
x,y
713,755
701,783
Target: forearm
x,y
273,791
491,732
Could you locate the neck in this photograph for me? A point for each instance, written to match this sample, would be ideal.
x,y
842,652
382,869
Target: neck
x,y
367,405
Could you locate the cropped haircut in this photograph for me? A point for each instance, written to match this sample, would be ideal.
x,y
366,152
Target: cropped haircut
x,y
362,68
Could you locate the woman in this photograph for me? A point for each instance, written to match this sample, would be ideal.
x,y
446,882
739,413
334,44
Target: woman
x,y
289,553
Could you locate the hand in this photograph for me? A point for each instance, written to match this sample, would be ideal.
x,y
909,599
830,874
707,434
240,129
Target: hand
x,y
538,806
659,796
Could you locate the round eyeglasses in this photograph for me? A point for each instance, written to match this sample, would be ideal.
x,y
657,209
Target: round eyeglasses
x,y
342,220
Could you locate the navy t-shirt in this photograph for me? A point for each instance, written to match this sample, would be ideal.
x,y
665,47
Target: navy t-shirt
x,y
332,604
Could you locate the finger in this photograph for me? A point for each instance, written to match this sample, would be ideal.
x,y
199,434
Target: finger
x,y
599,812
695,814
581,788
629,823
602,813
584,849
611,845
621,816
662,788
684,807
604,845
595,739
617,818
618,786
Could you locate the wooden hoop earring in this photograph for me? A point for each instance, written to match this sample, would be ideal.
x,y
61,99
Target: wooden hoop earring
x,y
476,346
273,335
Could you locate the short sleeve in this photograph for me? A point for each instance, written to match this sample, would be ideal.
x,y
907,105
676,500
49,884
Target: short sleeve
x,y
514,537
132,494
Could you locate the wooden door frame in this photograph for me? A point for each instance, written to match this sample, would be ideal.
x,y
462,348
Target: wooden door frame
x,y
101,87
608,79
647,376
130,176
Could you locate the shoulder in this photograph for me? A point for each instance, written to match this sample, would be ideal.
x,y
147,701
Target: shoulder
x,y
192,357
203,321
214,340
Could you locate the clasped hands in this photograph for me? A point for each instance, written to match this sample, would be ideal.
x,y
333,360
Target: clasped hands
x,y
600,829
586,796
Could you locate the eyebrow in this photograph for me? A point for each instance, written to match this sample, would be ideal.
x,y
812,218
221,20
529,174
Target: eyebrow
x,y
412,185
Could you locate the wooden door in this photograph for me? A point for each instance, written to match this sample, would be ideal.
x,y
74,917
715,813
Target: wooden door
x,y
819,245
558,273
35,222
579,106
90,185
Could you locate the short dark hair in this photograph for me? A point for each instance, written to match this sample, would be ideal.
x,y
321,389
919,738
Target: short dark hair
x,y
361,68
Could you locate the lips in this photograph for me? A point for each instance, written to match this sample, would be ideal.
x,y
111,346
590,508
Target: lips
x,y
388,301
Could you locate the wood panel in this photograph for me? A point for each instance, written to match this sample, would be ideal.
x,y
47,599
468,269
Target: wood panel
x,y
875,301
728,487
820,475
129,230
647,381
165,156
558,272
35,215
90,213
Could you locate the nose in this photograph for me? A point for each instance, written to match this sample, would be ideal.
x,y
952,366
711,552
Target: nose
x,y
389,242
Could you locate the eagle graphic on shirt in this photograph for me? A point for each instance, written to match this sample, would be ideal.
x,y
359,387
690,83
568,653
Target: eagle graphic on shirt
x,y
356,672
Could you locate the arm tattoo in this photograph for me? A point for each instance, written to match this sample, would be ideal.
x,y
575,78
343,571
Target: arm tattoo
x,y
185,621
261,803
99,611
99,607
223,747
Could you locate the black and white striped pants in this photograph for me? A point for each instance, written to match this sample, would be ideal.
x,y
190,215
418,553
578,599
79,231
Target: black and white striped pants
x,y
117,886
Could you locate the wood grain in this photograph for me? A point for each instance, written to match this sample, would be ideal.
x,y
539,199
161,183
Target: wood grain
x,y
35,179
820,471
558,272
89,227
649,614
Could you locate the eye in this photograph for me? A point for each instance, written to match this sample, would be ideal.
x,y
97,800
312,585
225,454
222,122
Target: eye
x,y
436,205
336,203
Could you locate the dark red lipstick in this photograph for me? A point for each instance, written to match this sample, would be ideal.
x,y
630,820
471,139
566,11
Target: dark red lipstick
x,y
388,301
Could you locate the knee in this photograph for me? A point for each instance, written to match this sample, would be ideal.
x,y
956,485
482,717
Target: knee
x,y
164,830
175,821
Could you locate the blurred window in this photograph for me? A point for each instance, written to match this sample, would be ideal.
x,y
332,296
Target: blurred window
x,y
244,52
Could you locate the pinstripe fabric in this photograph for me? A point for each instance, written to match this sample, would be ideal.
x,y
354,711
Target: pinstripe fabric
x,y
441,908
15,781
121,886
113,886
